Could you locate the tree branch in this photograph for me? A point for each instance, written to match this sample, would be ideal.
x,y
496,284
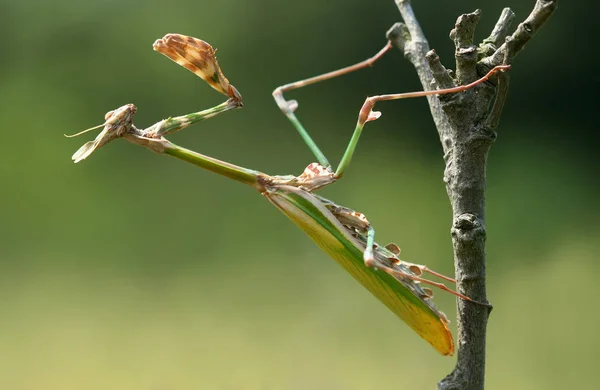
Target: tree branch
x,y
466,53
540,14
499,33
465,124
411,41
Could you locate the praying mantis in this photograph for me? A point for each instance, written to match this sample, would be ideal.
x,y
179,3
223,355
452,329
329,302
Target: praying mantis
x,y
344,234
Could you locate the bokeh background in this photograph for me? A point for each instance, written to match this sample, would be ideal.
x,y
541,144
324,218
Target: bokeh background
x,y
136,271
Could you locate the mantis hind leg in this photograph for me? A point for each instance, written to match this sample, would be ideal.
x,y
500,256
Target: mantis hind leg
x,y
372,262
404,275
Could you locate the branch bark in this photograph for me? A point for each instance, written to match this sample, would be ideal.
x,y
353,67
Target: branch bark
x,y
465,124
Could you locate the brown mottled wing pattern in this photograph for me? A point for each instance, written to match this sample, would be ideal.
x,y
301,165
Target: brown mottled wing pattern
x,y
198,57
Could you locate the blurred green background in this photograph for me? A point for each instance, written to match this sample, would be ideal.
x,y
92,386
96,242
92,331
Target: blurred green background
x,y
135,271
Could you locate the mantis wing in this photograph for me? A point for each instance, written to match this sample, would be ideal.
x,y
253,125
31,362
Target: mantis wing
x,y
400,296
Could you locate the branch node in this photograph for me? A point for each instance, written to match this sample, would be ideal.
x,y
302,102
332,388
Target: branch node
x,y
466,53
483,135
398,35
468,227
466,221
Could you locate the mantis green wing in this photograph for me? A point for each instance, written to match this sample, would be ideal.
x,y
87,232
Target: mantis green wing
x,y
404,298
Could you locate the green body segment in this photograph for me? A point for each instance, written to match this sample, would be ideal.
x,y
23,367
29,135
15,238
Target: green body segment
x,y
232,171
308,213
